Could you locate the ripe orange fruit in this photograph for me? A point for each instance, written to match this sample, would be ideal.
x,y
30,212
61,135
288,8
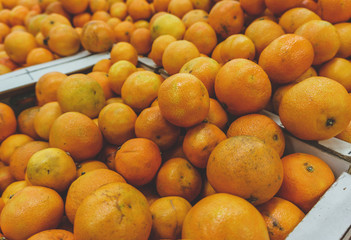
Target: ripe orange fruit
x,y
12,189
324,105
124,51
295,17
226,18
39,55
216,115
98,5
118,73
139,9
138,161
52,168
278,7
63,40
25,121
183,100
176,54
77,134
97,36
121,208
161,5
86,184
53,234
158,47
140,94
281,217
242,87
51,21
194,16
247,167
262,33
103,80
123,31
30,211
310,72
338,69
306,178
9,145
286,58
44,119
180,7
81,93
177,177
324,38
116,122
168,214
118,10
207,189
344,31
167,24
102,66
253,7
237,46
334,11
80,19
46,87
199,142
20,157
259,126
87,166
6,178
141,40
18,44
76,6
101,15
17,15
55,7
213,217
152,125
216,53
8,121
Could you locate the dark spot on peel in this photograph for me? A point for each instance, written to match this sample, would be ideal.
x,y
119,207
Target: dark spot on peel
x,y
330,122
275,137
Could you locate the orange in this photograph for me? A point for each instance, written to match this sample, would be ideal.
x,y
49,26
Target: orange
x,y
152,125
253,7
116,122
158,47
226,18
261,127
176,54
4,69
98,5
56,7
205,69
123,31
194,16
177,177
76,6
20,157
30,211
119,10
121,208
6,178
52,168
39,55
76,134
246,167
101,15
338,69
140,94
12,189
345,134
334,11
286,58
97,36
161,5
278,7
138,161
167,24
142,41
216,53
180,7
103,79
124,51
118,73
53,234
324,38
142,24
81,93
207,189
262,33
216,114
107,155
8,121
202,4
51,21
222,216
17,15
25,121
237,46
306,178
168,214
139,9
199,142
9,145
102,66
324,105
86,184
183,100
4,30
242,87
278,95
5,15
46,87
63,40
8,62
344,31
80,19
88,166
203,36
295,17
281,217
18,44
310,72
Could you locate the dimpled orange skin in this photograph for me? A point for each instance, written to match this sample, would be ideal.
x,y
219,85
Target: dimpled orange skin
x,y
183,100
245,166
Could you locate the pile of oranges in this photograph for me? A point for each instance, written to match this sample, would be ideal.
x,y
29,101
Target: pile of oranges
x,y
123,153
